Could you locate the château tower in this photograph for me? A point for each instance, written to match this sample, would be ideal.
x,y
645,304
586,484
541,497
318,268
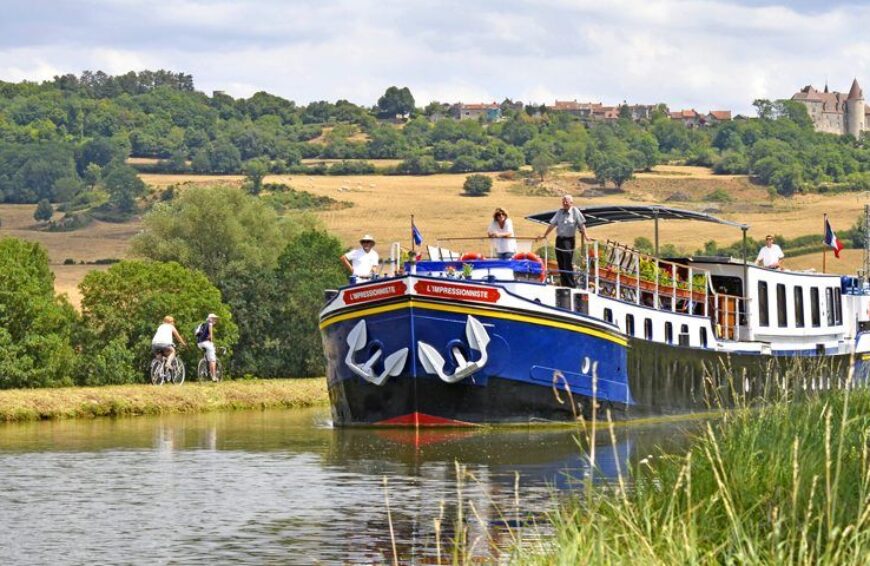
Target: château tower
x,y
855,116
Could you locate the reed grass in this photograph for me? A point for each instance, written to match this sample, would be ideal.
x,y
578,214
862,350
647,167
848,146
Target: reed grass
x,y
132,400
785,483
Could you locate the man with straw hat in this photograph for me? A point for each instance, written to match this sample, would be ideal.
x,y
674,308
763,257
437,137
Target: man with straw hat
x,y
362,263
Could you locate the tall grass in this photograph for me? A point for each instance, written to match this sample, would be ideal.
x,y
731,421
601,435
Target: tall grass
x,y
787,483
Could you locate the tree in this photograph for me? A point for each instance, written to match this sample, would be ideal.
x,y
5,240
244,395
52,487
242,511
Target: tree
x,y
396,101
124,187
44,211
477,185
620,169
128,301
35,326
255,170
541,164
218,230
224,157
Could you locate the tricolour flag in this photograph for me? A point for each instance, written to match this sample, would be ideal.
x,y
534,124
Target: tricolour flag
x,y
416,235
831,239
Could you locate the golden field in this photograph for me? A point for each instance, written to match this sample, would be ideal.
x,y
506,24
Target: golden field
x,y
383,205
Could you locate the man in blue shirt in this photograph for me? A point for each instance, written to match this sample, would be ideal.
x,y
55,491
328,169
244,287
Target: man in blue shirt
x,y
567,221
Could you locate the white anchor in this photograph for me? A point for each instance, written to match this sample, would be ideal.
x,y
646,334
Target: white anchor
x,y
393,364
478,339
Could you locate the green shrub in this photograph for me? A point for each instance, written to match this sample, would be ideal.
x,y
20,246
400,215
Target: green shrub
x,y
128,301
477,185
718,195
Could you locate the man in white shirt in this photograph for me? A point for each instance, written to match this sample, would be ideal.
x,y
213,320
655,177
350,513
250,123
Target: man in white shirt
x,y
770,255
362,262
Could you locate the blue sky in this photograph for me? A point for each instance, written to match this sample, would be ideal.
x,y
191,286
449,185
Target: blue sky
x,y
703,54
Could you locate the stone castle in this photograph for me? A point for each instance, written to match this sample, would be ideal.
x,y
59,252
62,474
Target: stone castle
x,y
835,112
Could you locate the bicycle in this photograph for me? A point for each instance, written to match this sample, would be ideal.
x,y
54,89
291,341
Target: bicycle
x,y
202,373
160,373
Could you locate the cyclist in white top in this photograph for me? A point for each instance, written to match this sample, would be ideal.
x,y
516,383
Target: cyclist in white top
x,y
164,340
363,261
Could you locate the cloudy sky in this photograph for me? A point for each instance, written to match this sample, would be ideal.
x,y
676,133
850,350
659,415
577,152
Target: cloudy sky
x,y
704,54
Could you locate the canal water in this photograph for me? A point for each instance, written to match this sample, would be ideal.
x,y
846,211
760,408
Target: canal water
x,y
286,487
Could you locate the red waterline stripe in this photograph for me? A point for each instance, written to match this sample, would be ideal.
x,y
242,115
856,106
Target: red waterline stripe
x,y
422,419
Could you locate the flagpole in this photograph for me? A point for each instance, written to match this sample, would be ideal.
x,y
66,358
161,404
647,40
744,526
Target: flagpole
x,y
825,249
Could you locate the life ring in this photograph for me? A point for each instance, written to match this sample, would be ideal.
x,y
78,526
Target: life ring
x,y
532,256
471,256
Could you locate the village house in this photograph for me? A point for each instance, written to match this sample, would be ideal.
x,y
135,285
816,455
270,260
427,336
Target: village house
x,y
693,119
490,112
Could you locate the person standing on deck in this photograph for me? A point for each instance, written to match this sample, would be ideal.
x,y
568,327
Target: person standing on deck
x,y
363,261
502,228
567,221
770,255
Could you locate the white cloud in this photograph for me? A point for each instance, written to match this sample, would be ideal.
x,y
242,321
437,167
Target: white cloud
x,y
708,54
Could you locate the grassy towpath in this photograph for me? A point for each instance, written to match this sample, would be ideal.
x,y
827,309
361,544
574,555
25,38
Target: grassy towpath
x,y
132,400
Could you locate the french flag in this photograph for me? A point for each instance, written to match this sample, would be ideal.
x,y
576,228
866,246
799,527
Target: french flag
x,y
831,239
415,234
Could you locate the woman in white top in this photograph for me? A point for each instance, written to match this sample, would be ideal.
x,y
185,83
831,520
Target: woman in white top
x,y
502,229
164,339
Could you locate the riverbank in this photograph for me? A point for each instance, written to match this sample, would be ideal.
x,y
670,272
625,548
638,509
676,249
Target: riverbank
x,y
140,399
787,484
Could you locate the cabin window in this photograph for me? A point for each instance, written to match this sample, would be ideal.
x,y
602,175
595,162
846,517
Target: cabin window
x,y
781,312
814,306
703,337
799,307
763,306
669,333
838,306
683,338
829,305
629,324
608,315
648,329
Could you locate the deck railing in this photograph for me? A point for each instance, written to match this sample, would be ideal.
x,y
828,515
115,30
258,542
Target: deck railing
x,y
612,269
455,248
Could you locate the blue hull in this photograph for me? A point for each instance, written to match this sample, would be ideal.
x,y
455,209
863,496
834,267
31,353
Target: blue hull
x,y
536,366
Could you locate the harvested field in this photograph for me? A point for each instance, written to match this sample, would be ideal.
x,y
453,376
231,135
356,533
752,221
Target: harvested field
x,y
378,163
384,204
99,240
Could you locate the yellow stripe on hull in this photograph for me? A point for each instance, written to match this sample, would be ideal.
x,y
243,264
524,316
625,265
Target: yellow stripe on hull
x,y
478,312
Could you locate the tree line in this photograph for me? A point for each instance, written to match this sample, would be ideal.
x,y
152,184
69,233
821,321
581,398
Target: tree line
x,y
209,250
58,138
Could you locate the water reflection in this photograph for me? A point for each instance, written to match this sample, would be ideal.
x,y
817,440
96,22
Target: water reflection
x,y
282,486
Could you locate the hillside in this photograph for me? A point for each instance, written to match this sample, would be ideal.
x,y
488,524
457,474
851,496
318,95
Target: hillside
x,y
383,205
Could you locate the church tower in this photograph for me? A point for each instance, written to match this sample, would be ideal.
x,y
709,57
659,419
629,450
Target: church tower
x,y
855,123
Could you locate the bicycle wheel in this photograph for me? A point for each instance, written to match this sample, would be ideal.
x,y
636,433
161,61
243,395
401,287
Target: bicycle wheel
x,y
202,370
218,371
177,371
156,372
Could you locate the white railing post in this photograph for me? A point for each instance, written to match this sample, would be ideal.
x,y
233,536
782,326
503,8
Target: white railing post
x,y
637,279
691,286
597,267
706,293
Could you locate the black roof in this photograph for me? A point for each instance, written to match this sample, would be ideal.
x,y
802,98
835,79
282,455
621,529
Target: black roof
x,y
607,214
